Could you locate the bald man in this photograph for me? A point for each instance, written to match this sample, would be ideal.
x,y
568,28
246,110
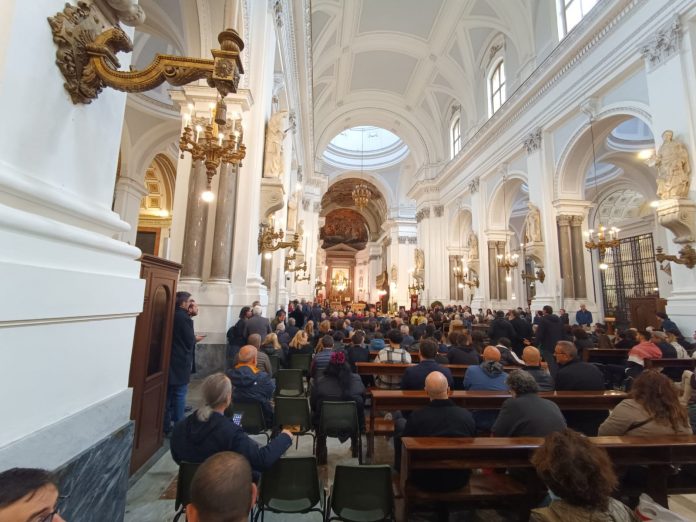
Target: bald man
x,y
251,384
532,365
441,418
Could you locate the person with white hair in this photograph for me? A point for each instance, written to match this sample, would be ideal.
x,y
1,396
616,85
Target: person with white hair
x,y
257,324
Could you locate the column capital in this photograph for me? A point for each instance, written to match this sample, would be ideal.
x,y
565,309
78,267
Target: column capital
x,y
439,210
662,45
422,214
532,142
576,221
564,220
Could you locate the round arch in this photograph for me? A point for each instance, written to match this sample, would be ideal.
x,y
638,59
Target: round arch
x,y
504,195
382,187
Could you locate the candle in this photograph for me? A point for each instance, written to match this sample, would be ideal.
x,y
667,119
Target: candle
x,y
230,14
236,140
198,132
220,139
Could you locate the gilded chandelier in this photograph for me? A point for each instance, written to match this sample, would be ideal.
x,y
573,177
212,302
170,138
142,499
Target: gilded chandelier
x,y
602,239
361,195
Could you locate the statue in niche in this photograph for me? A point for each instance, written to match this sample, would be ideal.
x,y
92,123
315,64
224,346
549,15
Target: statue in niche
x,y
300,229
275,135
292,214
533,231
394,273
672,162
473,246
419,270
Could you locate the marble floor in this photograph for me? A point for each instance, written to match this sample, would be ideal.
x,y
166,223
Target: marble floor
x,y
151,498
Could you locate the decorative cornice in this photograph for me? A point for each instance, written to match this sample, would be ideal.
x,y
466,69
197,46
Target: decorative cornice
x,y
402,240
412,240
439,210
474,185
533,141
663,44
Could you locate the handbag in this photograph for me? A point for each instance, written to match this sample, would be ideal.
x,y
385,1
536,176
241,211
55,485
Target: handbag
x,y
649,510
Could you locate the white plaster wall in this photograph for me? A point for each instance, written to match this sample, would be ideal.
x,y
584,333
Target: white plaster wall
x,y
66,332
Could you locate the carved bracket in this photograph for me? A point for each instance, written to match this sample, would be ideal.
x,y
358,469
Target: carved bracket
x,y
678,216
272,199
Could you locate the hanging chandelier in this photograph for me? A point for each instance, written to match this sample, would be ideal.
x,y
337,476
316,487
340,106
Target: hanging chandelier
x,y
507,261
604,238
361,193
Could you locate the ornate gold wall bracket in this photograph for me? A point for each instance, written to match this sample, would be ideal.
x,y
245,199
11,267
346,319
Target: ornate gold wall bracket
x,y
540,275
86,56
687,257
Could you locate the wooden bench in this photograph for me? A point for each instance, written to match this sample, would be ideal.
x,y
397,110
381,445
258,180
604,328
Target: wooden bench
x,y
393,400
427,453
415,356
592,354
458,370
683,364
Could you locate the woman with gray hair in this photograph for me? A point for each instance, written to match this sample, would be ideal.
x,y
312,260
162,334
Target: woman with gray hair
x,y
526,414
207,431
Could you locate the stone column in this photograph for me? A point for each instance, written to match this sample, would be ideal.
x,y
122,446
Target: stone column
x,y
129,194
501,273
493,287
578,257
564,245
196,223
224,224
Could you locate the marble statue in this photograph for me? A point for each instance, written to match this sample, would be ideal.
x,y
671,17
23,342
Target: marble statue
x,y
292,215
473,246
533,231
300,229
672,162
394,273
419,270
273,164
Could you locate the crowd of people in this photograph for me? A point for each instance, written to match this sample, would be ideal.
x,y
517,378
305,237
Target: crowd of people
x,y
508,351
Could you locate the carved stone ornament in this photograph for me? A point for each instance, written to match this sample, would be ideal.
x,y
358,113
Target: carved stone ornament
x,y
403,239
299,174
672,162
533,141
278,13
316,207
388,242
412,240
678,216
292,122
305,204
439,210
474,186
663,45
128,11
88,43
374,257
272,200
533,224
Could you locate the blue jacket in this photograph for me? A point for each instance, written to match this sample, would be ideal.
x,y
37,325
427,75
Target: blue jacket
x,y
486,376
253,387
377,345
195,441
583,317
414,376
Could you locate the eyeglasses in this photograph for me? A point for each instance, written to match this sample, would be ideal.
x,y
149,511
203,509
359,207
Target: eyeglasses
x,y
49,516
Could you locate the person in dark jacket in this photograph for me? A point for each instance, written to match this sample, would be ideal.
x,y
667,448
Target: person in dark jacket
x,y
235,336
441,418
526,414
667,325
291,329
207,432
523,332
489,375
507,356
297,314
581,339
549,332
251,384
180,363
357,351
575,375
668,352
500,327
532,365
461,350
414,376
257,324
336,383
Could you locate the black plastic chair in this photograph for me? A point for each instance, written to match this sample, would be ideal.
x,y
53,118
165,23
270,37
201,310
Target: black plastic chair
x,y
253,421
289,383
293,412
301,361
291,486
275,363
340,419
361,494
183,487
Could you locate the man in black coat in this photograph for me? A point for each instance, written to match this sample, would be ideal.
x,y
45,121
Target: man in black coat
x,y
414,376
575,375
297,314
549,332
501,327
523,331
441,418
180,362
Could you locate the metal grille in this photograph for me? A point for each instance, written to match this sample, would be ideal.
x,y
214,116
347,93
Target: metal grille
x,y
631,272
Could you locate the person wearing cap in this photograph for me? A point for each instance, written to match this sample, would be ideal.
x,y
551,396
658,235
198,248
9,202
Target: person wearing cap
x,y
489,375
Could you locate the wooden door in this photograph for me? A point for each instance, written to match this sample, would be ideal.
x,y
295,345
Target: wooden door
x,y
643,311
150,358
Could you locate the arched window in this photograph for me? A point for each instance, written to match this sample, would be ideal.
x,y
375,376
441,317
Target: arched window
x,y
496,87
455,136
570,12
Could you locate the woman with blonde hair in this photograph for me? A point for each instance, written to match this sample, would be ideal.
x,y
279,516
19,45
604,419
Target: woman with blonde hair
x,y
207,431
653,408
299,345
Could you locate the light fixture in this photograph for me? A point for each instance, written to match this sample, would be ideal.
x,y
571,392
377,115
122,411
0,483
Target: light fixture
x,y
655,203
217,140
646,154
540,275
686,257
361,192
507,260
269,240
605,237
603,266
340,283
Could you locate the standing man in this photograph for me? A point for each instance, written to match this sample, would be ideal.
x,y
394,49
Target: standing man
x,y
583,316
257,324
297,314
193,312
549,332
180,363
563,315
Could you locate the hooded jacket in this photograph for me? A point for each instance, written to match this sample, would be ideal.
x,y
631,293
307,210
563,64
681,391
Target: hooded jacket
x,y
250,386
488,375
194,441
376,345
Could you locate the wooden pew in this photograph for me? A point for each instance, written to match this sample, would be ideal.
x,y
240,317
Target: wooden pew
x,y
658,453
372,368
415,356
597,354
683,364
393,400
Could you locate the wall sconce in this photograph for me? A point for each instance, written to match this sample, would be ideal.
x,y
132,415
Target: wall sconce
x,y
303,278
471,283
270,240
687,256
540,275
88,43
